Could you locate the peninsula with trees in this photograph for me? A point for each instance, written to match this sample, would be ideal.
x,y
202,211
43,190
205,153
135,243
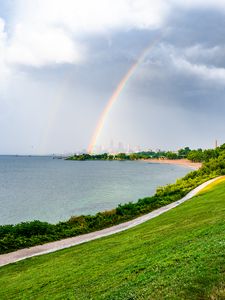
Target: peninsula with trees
x,y
197,156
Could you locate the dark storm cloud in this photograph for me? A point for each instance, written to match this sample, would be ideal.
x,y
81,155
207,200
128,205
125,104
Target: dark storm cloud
x,y
195,36
196,26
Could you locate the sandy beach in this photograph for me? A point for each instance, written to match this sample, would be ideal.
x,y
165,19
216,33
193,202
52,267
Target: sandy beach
x,y
181,162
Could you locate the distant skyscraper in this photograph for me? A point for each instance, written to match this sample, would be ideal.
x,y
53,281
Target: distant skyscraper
x,y
216,144
111,146
137,149
120,147
84,150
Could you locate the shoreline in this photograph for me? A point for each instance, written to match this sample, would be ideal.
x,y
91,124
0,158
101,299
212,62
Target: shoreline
x,y
180,162
50,247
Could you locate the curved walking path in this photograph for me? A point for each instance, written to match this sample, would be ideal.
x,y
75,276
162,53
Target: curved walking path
x,y
69,242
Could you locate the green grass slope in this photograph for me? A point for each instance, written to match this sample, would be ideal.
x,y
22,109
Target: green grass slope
x,y
178,255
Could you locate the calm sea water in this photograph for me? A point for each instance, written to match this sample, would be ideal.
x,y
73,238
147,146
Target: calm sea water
x,y
52,190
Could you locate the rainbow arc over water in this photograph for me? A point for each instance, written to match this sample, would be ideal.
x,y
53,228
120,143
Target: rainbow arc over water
x,y
115,95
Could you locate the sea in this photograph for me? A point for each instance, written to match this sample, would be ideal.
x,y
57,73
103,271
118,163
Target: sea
x,y
53,190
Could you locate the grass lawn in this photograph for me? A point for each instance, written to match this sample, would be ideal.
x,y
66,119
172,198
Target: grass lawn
x,y
178,255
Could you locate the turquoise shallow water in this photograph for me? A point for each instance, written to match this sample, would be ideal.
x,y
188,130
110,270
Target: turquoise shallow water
x,y
52,190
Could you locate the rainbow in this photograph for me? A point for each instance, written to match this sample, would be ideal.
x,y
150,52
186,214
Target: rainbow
x,y
115,95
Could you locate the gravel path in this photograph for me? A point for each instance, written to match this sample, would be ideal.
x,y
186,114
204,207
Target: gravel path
x,y
69,242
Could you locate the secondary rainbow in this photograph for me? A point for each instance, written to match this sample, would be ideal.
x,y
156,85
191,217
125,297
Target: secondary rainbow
x,y
114,97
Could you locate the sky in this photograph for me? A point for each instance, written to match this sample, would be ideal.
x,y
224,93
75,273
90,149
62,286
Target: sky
x,y
60,62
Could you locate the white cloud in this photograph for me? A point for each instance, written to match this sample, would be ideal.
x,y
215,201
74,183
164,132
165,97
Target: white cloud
x,y
42,46
45,32
197,60
204,72
94,16
199,51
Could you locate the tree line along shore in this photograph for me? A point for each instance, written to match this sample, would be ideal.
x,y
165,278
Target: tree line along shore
x,y
27,234
196,156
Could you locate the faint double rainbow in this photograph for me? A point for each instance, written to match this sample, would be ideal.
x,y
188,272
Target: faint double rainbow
x,y
115,95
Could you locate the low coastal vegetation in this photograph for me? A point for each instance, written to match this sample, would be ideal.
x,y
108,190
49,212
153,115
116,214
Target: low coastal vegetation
x,y
198,155
178,255
182,153
27,234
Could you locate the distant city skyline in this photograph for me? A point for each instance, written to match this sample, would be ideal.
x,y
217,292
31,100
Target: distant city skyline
x,y
115,147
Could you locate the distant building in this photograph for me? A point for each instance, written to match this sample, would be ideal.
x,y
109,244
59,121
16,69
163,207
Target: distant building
x,y
120,147
216,144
